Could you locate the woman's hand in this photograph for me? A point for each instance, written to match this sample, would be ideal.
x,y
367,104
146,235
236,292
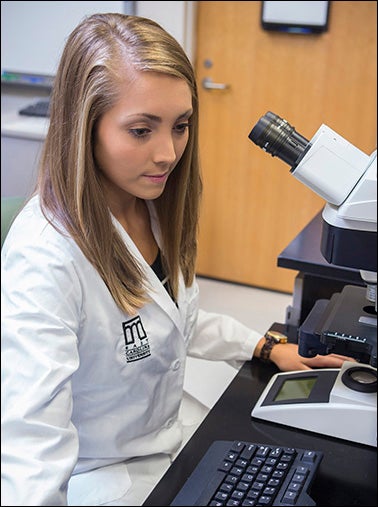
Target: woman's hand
x,y
286,358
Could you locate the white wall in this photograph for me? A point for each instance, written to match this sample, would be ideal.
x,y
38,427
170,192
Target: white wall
x,y
178,18
33,33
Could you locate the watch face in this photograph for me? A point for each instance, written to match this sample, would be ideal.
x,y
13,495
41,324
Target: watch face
x,y
277,336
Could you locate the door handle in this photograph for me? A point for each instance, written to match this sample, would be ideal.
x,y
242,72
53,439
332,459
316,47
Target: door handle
x,y
208,84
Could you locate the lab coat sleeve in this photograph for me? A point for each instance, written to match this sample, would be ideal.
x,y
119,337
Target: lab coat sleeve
x,y
40,308
221,337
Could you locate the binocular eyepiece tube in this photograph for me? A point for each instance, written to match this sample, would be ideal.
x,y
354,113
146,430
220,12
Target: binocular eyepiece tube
x,y
277,137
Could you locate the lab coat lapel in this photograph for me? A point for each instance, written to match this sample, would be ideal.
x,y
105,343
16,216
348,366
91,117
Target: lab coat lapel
x,y
164,300
156,289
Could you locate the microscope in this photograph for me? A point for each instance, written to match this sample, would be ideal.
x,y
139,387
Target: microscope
x,y
346,178
346,323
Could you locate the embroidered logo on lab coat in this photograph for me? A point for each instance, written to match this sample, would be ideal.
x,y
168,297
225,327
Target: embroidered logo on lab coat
x,y
136,341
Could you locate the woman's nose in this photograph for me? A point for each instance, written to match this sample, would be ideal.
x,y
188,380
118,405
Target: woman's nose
x,y
164,151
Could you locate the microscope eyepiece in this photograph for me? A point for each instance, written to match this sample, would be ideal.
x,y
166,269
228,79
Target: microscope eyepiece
x,y
277,137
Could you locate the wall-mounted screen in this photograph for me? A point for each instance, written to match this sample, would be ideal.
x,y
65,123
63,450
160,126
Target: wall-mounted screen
x,y
295,17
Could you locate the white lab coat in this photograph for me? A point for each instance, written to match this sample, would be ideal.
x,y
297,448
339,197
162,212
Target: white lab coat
x,y
84,385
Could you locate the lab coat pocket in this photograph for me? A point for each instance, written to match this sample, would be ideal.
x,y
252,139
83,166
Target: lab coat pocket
x,y
99,486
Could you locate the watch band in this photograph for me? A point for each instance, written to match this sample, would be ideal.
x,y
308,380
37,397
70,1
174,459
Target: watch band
x,y
271,339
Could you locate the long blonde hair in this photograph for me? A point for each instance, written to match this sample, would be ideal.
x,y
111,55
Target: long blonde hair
x,y
69,186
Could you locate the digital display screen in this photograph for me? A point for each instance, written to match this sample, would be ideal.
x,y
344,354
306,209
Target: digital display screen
x,y
295,17
296,389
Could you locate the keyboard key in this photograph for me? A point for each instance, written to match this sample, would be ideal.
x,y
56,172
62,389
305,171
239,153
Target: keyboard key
x,y
309,456
290,497
248,451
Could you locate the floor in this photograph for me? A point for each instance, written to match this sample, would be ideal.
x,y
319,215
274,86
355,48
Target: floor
x,y
254,307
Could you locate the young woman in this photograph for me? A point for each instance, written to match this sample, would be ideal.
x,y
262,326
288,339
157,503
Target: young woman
x,y
99,297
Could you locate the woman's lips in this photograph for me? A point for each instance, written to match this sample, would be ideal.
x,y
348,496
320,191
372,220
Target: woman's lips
x,y
157,178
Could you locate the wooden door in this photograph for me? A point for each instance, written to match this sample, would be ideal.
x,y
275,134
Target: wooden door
x,y
253,207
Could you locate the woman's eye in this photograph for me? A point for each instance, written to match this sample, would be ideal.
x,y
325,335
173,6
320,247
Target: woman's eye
x,y
181,127
140,132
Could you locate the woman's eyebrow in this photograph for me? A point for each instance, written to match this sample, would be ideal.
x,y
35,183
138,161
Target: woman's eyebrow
x,y
187,113
158,119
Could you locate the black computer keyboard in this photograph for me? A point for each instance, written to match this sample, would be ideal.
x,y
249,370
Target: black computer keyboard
x,y
40,108
245,473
